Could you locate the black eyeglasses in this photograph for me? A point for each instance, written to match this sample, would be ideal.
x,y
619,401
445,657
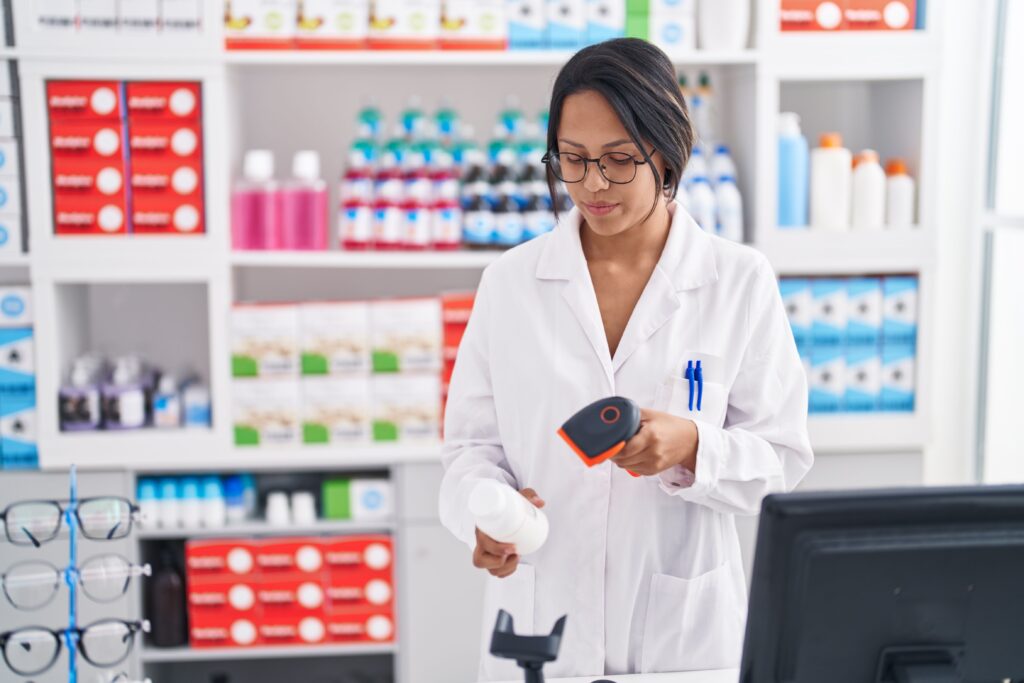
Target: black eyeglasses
x,y
32,650
32,585
36,522
618,168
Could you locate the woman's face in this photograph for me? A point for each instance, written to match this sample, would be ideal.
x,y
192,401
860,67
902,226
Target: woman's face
x,y
590,127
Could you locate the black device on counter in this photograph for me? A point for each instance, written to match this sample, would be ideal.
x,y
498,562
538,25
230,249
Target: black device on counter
x,y
530,652
895,586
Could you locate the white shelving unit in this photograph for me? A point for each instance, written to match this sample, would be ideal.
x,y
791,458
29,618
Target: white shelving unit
x,y
289,100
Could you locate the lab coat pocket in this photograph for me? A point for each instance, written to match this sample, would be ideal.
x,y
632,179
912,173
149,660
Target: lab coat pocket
x,y
693,623
515,595
707,403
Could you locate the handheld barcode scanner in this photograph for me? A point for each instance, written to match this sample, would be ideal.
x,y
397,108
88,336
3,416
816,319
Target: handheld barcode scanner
x,y
599,431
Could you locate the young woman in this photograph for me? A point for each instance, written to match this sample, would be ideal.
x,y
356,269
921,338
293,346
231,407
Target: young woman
x,y
622,298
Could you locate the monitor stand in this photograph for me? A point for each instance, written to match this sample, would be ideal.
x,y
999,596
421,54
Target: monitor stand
x,y
928,664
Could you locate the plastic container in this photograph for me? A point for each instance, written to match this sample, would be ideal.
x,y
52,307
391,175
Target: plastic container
x,y
505,515
190,505
899,195
167,599
868,192
304,205
214,505
702,204
167,404
830,184
196,406
794,157
723,24
255,206
170,510
722,165
729,208
149,502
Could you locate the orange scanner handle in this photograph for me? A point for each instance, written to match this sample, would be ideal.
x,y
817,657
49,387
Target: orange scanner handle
x,y
596,460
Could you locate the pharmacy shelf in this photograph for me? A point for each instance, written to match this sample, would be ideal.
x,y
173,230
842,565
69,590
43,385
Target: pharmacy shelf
x,y
261,529
134,258
402,260
129,449
468,58
798,251
152,655
867,433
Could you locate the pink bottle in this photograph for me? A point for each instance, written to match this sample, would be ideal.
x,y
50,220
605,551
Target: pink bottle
x,y
255,210
304,205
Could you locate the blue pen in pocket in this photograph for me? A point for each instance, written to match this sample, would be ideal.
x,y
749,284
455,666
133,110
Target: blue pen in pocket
x,y
699,374
689,376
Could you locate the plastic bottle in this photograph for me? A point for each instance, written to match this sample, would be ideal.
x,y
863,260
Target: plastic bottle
x,y
196,406
723,24
830,184
255,204
124,396
511,118
214,506
80,408
413,120
478,215
794,164
539,216
729,207
170,513
234,499
446,122
370,121
304,205
167,599
505,515
899,195
388,216
167,404
418,204
149,502
509,220
697,166
868,192
722,165
704,115
702,204
191,508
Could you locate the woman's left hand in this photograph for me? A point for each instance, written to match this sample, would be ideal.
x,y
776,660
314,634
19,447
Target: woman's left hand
x,y
664,441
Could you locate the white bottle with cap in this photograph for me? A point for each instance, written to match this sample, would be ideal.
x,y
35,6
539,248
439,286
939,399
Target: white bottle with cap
x,y
868,200
702,204
505,515
899,195
729,209
830,184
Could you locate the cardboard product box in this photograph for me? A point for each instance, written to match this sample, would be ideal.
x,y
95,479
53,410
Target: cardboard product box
x,y
606,19
165,139
169,101
827,380
11,235
474,25
828,298
361,626
333,24
220,630
880,15
405,24
290,557
675,32
139,16
9,157
406,335
291,597
864,311
212,599
335,338
406,407
796,298
358,499
349,558
266,412
336,411
98,16
84,100
899,306
863,379
812,15
227,559
293,630
260,24
16,308
567,24
898,378
527,24
97,141
89,215
17,358
265,340
56,16
181,16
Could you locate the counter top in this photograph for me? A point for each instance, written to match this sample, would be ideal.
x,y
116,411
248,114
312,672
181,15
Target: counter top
x,y
717,676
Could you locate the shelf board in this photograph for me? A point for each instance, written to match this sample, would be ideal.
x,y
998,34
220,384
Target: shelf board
x,y
798,251
454,57
188,654
129,449
365,259
260,528
127,258
867,433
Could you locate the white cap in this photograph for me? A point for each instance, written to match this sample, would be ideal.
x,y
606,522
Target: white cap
x,y
259,165
789,124
306,165
168,384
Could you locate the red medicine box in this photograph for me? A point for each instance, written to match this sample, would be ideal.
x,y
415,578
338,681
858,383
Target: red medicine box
x,y
229,559
880,15
89,214
284,556
296,595
363,626
358,557
178,140
222,630
163,100
293,630
812,15
100,141
84,100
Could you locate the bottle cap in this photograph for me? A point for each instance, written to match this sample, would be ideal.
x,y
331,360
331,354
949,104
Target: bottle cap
x,y
867,155
259,165
830,140
306,165
789,124
896,167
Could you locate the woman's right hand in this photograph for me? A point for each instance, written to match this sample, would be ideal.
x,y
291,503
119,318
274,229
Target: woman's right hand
x,y
500,559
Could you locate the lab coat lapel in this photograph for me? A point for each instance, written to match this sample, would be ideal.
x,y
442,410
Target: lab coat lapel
x,y
563,259
687,261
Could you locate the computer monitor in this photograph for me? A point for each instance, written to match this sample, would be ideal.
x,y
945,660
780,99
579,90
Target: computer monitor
x,y
895,586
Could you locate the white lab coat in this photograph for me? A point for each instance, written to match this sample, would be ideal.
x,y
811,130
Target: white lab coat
x,y
648,570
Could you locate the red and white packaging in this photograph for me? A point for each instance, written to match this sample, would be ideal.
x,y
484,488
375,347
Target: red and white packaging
x,y
103,179
354,555
221,558
89,214
179,140
344,594
215,597
293,630
880,15
222,630
99,141
361,626
281,557
163,100
164,215
84,100
812,15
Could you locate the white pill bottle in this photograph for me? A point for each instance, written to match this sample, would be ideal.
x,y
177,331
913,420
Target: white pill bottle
x,y
505,515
